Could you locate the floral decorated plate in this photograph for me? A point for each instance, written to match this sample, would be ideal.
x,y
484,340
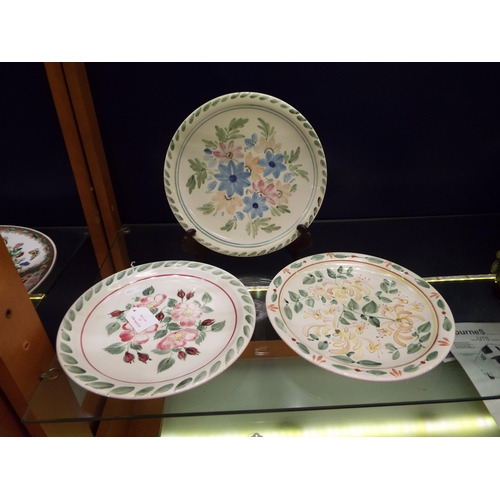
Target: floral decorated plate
x,y
360,316
33,253
244,170
155,330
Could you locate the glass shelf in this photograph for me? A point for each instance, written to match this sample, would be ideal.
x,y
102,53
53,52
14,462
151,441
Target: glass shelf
x,y
454,253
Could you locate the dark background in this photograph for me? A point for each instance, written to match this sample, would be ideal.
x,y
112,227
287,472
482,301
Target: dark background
x,y
401,139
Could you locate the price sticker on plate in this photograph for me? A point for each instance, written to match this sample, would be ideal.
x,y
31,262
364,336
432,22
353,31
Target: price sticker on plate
x,y
141,318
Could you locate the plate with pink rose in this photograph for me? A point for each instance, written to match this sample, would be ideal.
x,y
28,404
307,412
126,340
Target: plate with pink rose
x,y
244,170
155,330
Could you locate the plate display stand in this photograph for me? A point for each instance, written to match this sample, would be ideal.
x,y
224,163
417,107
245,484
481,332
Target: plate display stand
x,y
304,240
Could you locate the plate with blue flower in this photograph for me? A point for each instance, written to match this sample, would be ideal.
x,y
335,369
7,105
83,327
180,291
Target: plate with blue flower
x,y
244,170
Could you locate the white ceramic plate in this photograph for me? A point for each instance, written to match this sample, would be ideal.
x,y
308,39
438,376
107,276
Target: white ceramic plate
x,y
360,316
244,170
33,253
202,318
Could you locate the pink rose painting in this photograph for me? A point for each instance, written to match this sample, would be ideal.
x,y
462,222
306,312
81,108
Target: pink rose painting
x,y
181,324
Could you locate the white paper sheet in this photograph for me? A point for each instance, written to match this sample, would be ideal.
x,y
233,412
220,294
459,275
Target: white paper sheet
x,y
477,348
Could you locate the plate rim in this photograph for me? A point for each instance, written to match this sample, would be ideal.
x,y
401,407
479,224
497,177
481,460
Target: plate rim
x,y
319,190
51,244
152,390
286,335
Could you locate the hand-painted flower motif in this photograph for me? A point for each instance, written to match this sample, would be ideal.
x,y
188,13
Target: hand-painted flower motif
x,y
268,191
151,302
233,178
178,339
252,163
267,144
273,164
130,335
400,322
284,192
229,152
248,163
186,313
255,205
228,205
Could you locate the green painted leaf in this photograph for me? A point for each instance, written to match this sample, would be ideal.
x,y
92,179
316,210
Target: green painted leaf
x,y
323,345
86,378
277,282
67,324
309,280
374,321
374,260
75,369
376,372
391,347
441,304
65,348
303,348
320,256
396,355
432,355
424,328
200,377
144,391
425,337
413,348
79,304
69,359
342,367
229,356
164,388
116,348
122,390
217,327
239,343
280,324
350,315
422,283
344,359
353,305
288,312
368,362
215,367
101,385
165,364
447,325
183,384
411,368
112,327
370,308
65,336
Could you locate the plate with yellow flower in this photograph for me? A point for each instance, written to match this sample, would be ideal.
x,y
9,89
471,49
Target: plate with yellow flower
x,y
360,316
244,170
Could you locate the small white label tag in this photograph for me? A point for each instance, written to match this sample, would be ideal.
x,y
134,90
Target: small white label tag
x,y
141,318
133,290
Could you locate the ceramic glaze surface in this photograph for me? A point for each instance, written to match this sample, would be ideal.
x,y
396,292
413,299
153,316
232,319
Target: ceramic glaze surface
x,y
244,170
33,253
360,316
156,329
